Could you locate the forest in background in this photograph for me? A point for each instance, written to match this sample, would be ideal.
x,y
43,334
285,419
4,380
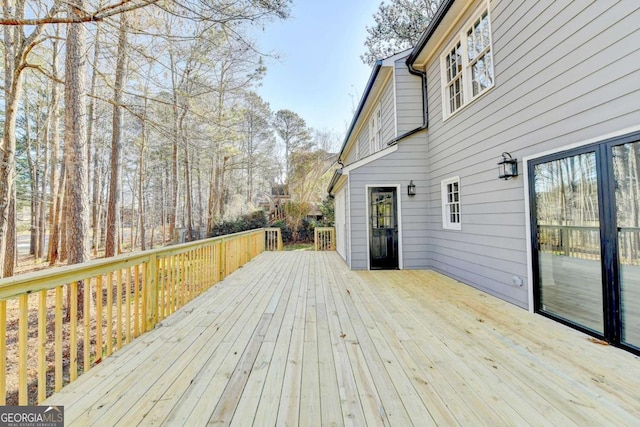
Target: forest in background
x,y
127,122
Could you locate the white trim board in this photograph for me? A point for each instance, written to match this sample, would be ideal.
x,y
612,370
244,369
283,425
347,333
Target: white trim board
x,y
372,158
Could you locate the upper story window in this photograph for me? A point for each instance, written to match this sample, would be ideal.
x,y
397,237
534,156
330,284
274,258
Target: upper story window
x,y
375,130
467,65
451,204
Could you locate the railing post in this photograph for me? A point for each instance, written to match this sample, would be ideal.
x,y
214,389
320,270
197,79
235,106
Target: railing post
x,y
223,260
315,239
333,238
151,294
566,244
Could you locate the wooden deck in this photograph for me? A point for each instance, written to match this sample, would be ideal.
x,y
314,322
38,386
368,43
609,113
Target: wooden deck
x,y
295,338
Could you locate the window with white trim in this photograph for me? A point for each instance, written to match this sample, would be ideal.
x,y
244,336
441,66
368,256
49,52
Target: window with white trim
x,y
467,65
451,204
375,130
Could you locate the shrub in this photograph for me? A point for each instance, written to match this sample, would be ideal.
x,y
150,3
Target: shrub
x,y
305,231
328,212
287,234
256,219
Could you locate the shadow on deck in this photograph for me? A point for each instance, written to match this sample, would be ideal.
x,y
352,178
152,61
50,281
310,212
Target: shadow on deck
x,y
296,338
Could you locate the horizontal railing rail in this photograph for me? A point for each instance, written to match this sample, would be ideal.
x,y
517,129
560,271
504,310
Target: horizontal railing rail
x,y
61,322
324,238
584,242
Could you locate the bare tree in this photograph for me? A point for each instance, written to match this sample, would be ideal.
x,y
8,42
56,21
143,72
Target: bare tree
x,y
294,133
112,245
17,47
398,26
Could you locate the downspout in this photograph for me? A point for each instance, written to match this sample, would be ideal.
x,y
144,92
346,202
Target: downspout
x,y
425,106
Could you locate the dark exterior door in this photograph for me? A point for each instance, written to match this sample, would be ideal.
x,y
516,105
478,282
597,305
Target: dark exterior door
x,y
383,228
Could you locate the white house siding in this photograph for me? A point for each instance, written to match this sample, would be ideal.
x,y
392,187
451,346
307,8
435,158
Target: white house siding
x,y
398,168
565,72
408,98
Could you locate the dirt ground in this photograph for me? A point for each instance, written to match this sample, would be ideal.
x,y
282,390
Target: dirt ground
x,y
13,313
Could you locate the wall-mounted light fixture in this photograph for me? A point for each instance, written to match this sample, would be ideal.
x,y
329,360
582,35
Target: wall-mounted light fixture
x,y
508,167
411,189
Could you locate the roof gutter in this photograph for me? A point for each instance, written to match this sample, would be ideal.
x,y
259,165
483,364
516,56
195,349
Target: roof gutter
x,y
334,180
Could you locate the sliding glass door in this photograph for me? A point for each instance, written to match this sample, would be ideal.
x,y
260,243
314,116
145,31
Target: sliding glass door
x,y
570,279
626,168
585,216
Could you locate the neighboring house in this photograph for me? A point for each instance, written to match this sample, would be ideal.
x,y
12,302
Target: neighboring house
x,y
377,224
555,84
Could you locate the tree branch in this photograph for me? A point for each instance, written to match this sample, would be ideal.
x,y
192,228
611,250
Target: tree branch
x,y
98,15
44,72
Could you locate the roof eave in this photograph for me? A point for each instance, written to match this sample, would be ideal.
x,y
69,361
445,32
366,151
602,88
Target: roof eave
x,y
431,29
372,79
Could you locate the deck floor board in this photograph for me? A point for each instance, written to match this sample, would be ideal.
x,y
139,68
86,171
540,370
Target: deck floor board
x,y
295,338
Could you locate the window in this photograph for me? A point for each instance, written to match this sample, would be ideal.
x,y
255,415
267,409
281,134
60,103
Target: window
x,y
375,130
451,204
467,66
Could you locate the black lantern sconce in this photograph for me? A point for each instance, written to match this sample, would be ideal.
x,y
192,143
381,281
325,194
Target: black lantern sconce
x,y
411,189
508,167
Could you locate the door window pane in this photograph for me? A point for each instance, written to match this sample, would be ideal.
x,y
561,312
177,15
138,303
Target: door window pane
x,y
568,234
626,165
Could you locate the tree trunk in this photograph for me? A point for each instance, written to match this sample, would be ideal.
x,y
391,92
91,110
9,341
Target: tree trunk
x,y
141,174
56,189
113,208
10,258
57,228
13,85
33,172
66,214
133,223
173,196
95,225
43,186
75,142
16,49
188,220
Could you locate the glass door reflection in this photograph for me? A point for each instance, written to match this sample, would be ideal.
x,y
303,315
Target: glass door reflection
x,y
626,166
568,234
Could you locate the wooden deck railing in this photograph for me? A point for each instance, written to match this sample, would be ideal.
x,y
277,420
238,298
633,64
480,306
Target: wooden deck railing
x,y
61,322
584,242
324,238
273,239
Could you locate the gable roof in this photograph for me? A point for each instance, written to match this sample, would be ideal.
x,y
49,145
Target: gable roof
x,y
369,88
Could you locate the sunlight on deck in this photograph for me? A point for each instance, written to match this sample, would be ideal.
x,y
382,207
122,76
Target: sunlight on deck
x,y
295,338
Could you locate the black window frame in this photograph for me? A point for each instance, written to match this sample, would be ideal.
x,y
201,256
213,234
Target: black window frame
x,y
608,236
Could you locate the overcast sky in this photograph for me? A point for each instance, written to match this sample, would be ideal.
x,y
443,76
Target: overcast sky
x,y
320,75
